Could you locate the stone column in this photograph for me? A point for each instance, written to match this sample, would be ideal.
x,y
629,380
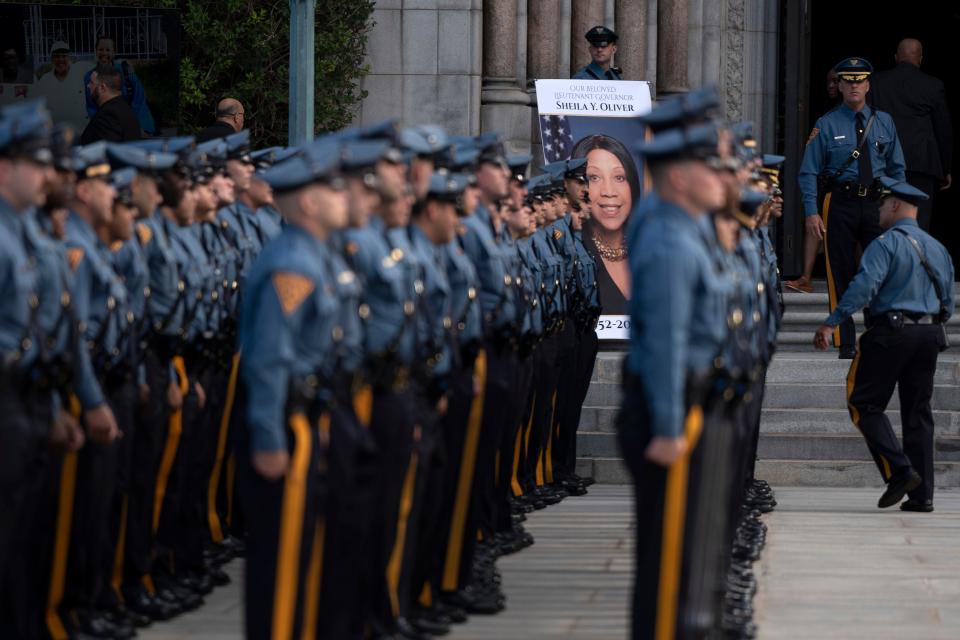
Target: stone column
x,y
504,105
632,31
543,49
672,47
586,15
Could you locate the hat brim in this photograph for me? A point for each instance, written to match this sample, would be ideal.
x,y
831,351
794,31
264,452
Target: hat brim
x,y
859,76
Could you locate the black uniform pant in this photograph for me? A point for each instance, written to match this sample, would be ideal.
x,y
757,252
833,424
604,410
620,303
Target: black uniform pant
x,y
511,442
28,504
123,396
544,412
849,221
906,357
929,185
565,453
351,495
285,539
461,429
681,512
498,397
392,426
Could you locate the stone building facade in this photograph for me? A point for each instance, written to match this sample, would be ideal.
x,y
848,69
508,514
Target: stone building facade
x,y
470,64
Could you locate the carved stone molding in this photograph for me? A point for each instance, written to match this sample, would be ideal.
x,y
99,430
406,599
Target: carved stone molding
x,y
733,60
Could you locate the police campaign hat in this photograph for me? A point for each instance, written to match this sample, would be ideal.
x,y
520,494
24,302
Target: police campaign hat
x,y
696,106
121,179
91,161
424,140
447,186
238,146
62,137
491,149
208,159
263,159
461,157
600,36
539,186
890,187
771,166
25,131
317,161
177,145
853,69
698,142
144,161
744,142
518,163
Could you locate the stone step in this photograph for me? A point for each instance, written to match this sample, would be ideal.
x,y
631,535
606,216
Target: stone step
x,y
808,321
789,473
801,446
791,396
793,367
786,421
834,473
834,422
838,447
813,396
794,300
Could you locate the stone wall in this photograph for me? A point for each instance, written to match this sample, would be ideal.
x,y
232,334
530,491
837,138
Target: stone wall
x,y
469,64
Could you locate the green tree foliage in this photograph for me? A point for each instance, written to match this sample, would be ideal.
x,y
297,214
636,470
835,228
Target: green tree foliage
x,y
240,48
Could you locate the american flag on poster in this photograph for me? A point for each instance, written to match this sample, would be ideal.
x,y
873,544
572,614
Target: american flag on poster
x,y
557,138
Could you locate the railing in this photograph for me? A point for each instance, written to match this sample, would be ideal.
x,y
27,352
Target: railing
x,y
135,37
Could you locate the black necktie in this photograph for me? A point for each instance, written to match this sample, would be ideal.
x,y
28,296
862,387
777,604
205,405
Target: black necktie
x,y
865,163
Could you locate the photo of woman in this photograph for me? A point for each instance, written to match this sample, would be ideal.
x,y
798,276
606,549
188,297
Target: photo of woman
x,y
613,186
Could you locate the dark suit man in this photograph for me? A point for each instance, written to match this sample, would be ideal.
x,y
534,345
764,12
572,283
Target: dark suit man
x,y
918,104
114,121
229,121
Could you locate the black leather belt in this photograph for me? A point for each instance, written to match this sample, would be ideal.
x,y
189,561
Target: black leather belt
x,y
855,190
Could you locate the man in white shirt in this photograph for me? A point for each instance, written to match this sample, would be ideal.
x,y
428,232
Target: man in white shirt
x,y
63,88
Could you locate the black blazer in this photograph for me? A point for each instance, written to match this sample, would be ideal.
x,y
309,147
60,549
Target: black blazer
x,y
114,121
918,104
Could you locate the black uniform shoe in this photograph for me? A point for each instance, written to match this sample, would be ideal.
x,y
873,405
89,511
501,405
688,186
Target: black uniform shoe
x,y
429,621
921,506
171,591
93,623
899,486
848,353
406,630
123,616
138,600
456,614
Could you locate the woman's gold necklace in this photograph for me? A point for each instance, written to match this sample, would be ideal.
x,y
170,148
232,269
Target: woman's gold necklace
x,y
609,253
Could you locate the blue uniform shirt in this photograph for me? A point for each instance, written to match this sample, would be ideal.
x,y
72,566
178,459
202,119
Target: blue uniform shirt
x,y
287,317
368,254
891,277
834,138
480,246
164,309
593,71
18,286
269,222
347,332
464,287
677,310
434,317
101,303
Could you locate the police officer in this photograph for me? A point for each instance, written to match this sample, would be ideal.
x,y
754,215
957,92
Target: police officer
x,y
286,324
905,286
848,149
668,381
603,46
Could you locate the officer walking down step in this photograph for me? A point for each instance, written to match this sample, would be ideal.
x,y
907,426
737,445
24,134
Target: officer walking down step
x,y
849,148
905,284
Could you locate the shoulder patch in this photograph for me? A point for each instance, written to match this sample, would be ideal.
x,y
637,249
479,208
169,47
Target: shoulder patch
x,y
461,230
74,257
352,248
292,289
144,234
813,134
557,234
116,245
